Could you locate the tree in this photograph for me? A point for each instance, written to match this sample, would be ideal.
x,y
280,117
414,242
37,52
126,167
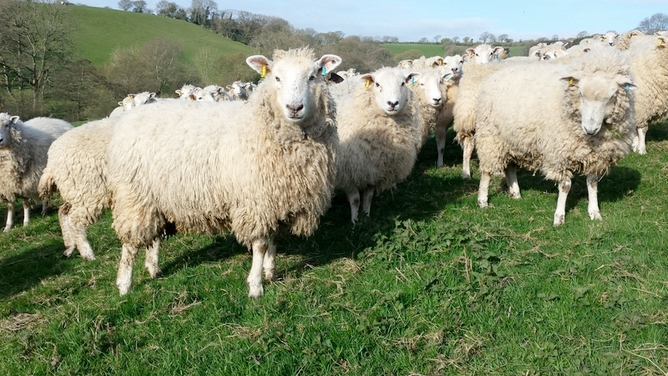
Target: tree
x,y
455,39
201,11
657,22
34,40
170,9
502,38
139,6
437,38
467,40
125,4
485,36
582,34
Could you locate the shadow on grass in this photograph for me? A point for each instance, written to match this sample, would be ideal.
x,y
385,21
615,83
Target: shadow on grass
x,y
221,249
23,271
657,132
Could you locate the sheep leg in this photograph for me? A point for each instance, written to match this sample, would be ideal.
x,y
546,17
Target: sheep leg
x,y
124,276
269,262
592,189
366,202
354,199
254,279
560,213
511,181
45,203
468,145
66,229
440,145
639,141
26,212
10,216
483,189
78,221
151,260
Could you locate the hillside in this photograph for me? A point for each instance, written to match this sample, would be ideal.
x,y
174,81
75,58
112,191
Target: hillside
x,y
99,31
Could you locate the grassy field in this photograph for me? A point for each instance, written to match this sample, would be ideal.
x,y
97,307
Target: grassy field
x,y
430,284
99,31
434,49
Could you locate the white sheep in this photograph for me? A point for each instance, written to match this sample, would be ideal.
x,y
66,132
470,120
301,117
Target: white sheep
x,y
212,93
649,63
579,120
450,90
484,53
23,155
187,91
378,131
430,99
255,168
624,40
77,168
238,91
133,100
609,38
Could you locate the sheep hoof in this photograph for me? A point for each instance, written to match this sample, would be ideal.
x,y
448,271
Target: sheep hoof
x,y
466,175
154,273
595,216
255,292
558,220
269,275
123,287
482,203
515,195
7,228
68,252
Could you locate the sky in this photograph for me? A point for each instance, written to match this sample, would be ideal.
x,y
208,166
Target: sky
x,y
411,20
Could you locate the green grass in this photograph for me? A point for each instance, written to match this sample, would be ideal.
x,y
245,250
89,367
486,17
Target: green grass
x,y
99,31
430,284
427,49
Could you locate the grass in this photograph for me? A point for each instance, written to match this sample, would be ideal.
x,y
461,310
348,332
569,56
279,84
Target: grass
x,y
426,49
99,31
428,285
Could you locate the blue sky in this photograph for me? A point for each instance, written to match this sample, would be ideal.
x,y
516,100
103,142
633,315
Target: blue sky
x,y
410,20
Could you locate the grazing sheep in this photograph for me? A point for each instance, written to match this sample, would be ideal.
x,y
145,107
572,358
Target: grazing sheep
x,y
77,167
649,63
23,155
256,168
559,119
378,131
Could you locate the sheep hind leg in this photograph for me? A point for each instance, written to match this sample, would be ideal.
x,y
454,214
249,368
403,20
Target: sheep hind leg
x,y
66,229
124,276
560,213
354,199
511,181
592,189
483,189
269,262
468,146
151,260
78,221
10,217
440,145
26,212
366,202
254,280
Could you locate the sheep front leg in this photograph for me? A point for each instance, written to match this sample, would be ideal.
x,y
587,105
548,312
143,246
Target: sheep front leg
x,y
124,276
254,279
440,145
66,229
366,203
26,213
354,199
468,145
151,261
269,262
10,217
511,181
639,141
560,213
592,189
483,189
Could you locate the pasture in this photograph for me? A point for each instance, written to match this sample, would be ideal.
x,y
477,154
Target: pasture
x,y
430,284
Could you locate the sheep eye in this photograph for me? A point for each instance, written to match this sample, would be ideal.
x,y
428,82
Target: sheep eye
x,y
403,83
312,78
377,84
278,79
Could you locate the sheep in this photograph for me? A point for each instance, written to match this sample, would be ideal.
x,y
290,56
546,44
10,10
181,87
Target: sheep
x,y
186,90
212,93
624,40
378,131
609,38
23,155
429,98
649,63
133,100
484,53
558,119
77,167
238,91
255,168
450,89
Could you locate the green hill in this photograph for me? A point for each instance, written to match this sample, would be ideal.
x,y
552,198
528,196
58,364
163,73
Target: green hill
x,y
99,31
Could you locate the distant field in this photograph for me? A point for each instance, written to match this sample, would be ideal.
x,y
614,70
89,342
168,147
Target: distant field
x,y
426,49
101,30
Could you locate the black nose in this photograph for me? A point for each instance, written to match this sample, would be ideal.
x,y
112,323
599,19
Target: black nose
x,y
293,109
393,104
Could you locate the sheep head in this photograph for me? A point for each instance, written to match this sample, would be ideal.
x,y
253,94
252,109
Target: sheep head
x,y
429,82
6,125
390,88
294,76
454,64
484,53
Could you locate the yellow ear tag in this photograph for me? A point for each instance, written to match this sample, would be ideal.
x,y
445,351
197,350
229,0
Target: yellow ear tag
x,y
659,43
570,81
264,71
367,83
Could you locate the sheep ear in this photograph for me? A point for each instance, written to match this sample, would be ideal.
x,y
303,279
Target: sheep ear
x,y
368,80
120,103
260,64
573,78
447,76
470,51
497,50
178,91
192,97
625,82
333,77
14,119
328,63
661,41
411,77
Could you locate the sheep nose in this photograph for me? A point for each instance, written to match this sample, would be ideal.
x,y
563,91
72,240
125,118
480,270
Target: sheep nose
x,y
295,109
393,104
436,100
455,70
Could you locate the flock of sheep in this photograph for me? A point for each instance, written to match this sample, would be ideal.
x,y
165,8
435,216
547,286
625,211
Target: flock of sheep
x,y
262,160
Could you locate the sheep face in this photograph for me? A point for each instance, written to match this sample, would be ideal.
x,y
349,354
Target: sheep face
x,y
6,124
390,88
454,64
294,79
608,38
144,98
128,102
484,53
597,98
430,83
186,91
